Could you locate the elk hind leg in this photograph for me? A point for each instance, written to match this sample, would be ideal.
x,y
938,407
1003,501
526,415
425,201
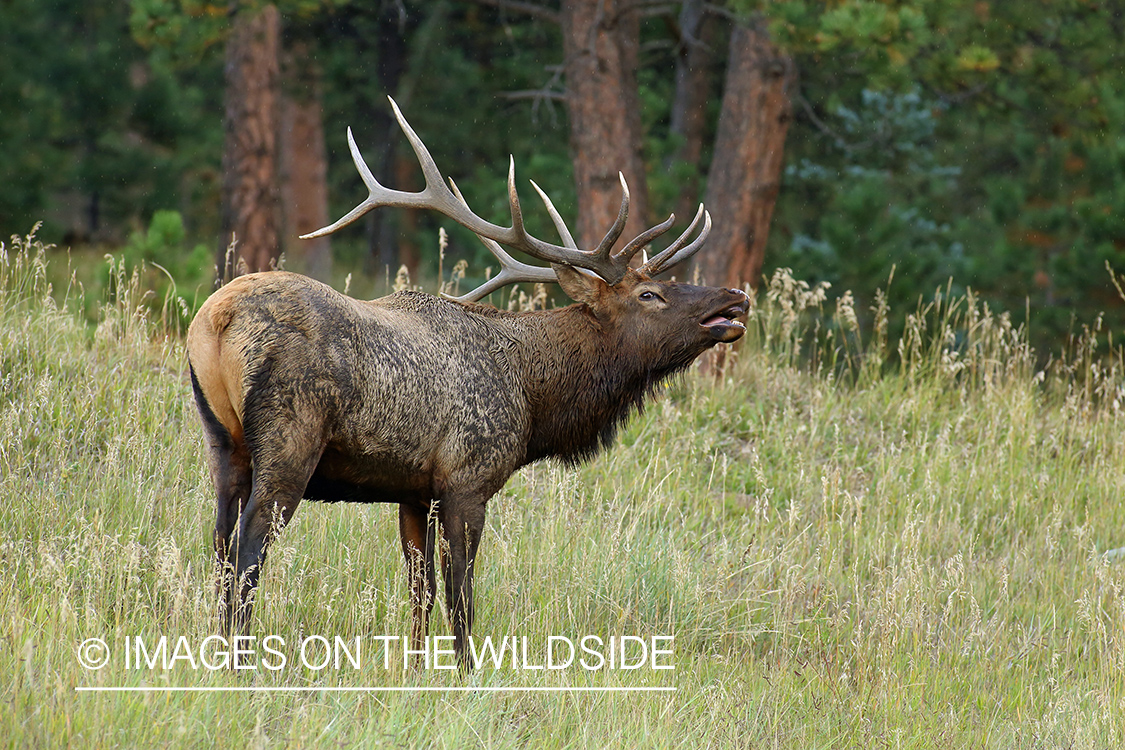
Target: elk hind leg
x,y
269,509
232,486
283,462
229,464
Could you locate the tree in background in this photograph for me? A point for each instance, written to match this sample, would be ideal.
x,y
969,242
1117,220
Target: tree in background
x,y
745,175
367,48
250,156
303,169
694,44
601,40
273,137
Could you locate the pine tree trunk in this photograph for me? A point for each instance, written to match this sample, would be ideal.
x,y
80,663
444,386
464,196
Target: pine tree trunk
x,y
746,166
601,41
304,164
250,208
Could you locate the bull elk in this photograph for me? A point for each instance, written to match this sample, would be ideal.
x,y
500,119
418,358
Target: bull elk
x,y
429,402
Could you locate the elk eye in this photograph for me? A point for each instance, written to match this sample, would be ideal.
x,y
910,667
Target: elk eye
x,y
646,296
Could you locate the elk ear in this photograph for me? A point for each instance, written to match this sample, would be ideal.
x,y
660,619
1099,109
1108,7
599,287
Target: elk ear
x,y
578,286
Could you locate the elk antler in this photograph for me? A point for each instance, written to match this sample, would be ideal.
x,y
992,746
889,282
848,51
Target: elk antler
x,y
448,201
678,251
511,270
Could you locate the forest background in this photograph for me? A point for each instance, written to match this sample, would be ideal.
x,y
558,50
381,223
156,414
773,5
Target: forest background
x,y
929,139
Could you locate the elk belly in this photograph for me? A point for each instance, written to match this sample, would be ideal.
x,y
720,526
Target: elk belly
x,y
379,477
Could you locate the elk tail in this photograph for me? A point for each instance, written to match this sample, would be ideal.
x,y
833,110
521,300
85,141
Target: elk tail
x,y
219,434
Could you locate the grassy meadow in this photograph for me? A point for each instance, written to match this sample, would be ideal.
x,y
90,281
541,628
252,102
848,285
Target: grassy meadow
x,y
855,542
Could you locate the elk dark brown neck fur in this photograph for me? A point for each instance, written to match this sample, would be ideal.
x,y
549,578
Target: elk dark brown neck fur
x,y
569,359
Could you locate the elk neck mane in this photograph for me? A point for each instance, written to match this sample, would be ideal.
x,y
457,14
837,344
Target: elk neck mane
x,y
582,380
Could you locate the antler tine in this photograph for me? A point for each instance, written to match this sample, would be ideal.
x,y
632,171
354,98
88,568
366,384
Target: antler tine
x,y
434,181
514,199
658,260
512,271
560,225
644,238
677,252
614,233
373,187
556,219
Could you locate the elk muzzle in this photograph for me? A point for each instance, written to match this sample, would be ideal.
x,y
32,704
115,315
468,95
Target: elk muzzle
x,y
722,322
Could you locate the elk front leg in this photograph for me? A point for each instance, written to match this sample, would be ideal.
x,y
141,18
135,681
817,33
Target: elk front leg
x,y
462,522
418,536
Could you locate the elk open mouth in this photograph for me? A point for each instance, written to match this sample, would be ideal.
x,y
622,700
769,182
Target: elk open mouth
x,y
724,324
726,317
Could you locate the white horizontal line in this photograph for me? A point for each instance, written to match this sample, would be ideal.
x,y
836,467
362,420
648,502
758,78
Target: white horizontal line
x,y
282,689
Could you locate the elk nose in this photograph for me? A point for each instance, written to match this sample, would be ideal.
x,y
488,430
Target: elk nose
x,y
737,291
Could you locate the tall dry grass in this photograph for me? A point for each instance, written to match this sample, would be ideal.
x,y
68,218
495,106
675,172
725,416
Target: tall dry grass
x,y
855,541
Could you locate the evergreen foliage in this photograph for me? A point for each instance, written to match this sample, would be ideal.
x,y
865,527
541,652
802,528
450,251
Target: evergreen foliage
x,y
978,140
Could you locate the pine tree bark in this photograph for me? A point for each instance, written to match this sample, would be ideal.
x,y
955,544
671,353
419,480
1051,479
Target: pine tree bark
x,y
250,205
601,43
746,167
304,163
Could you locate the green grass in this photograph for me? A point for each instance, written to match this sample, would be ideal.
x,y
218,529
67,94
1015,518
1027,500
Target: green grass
x,y
849,552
